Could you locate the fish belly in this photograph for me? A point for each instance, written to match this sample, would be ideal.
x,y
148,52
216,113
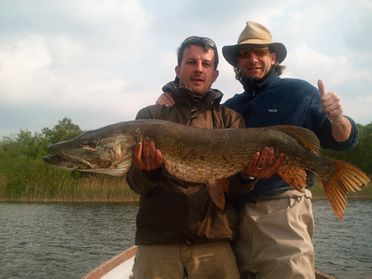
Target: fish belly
x,y
204,168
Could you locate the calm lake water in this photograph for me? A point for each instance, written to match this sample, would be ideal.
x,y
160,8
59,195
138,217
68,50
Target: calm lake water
x,y
67,240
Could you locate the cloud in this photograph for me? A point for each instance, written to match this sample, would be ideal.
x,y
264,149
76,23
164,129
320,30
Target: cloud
x,y
73,63
23,63
98,62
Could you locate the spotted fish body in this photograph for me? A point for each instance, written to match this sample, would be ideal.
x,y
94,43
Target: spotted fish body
x,y
209,155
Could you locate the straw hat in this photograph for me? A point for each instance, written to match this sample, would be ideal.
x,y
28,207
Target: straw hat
x,y
254,34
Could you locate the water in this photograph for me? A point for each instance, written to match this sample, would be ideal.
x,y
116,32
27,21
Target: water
x,y
52,241
344,249
61,240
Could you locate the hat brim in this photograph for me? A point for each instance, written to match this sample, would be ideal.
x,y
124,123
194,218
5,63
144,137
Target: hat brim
x,y
231,53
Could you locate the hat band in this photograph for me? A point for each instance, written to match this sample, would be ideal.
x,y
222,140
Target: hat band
x,y
255,42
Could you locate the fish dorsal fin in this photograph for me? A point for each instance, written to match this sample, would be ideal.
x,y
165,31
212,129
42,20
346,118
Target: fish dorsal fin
x,y
305,137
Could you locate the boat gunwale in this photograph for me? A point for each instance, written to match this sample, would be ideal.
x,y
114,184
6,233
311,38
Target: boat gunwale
x,y
111,264
119,259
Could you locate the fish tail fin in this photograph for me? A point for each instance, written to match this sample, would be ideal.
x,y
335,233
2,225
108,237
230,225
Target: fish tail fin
x,y
217,190
294,176
345,179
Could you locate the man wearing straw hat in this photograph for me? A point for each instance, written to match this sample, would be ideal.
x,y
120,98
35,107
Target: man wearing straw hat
x,y
276,225
276,222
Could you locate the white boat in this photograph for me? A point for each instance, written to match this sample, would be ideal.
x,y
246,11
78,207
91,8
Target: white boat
x,y
120,267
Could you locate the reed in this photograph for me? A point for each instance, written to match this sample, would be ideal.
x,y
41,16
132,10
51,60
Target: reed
x,y
32,180
23,179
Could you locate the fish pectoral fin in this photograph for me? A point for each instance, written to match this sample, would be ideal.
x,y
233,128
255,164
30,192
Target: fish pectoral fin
x,y
217,190
345,179
124,165
112,172
294,176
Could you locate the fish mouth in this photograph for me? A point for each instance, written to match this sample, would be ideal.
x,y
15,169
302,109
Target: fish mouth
x,y
52,159
59,161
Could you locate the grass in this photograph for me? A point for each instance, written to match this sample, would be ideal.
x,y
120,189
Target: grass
x,y
30,180
34,181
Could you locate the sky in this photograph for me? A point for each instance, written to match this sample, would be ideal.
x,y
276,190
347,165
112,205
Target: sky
x,y
98,62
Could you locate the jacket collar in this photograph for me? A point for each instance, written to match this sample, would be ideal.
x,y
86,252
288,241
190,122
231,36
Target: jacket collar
x,y
254,87
186,97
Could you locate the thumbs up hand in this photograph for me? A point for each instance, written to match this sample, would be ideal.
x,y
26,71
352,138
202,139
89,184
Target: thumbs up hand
x,y
331,104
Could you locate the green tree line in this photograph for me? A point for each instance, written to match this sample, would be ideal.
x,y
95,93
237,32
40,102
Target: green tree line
x,y
24,176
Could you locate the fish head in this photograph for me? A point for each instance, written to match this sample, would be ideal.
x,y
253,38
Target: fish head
x,y
108,153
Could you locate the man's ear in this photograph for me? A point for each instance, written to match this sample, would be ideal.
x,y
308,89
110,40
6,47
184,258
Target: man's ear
x,y
273,58
177,70
216,75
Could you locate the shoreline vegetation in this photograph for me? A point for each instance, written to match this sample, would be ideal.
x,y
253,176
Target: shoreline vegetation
x,y
49,184
25,177
39,182
90,191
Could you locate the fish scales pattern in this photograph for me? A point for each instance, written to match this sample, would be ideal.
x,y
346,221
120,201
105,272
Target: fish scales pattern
x,y
207,155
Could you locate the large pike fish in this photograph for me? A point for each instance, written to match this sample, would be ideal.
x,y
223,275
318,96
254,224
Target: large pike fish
x,y
210,155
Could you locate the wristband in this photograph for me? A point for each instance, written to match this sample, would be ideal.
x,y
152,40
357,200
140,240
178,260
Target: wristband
x,y
338,119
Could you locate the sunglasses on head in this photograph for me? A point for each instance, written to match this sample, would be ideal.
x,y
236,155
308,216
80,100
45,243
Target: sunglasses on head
x,y
196,40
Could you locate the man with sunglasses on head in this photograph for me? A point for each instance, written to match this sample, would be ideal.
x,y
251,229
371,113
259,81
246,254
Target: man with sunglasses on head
x,y
180,231
276,222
